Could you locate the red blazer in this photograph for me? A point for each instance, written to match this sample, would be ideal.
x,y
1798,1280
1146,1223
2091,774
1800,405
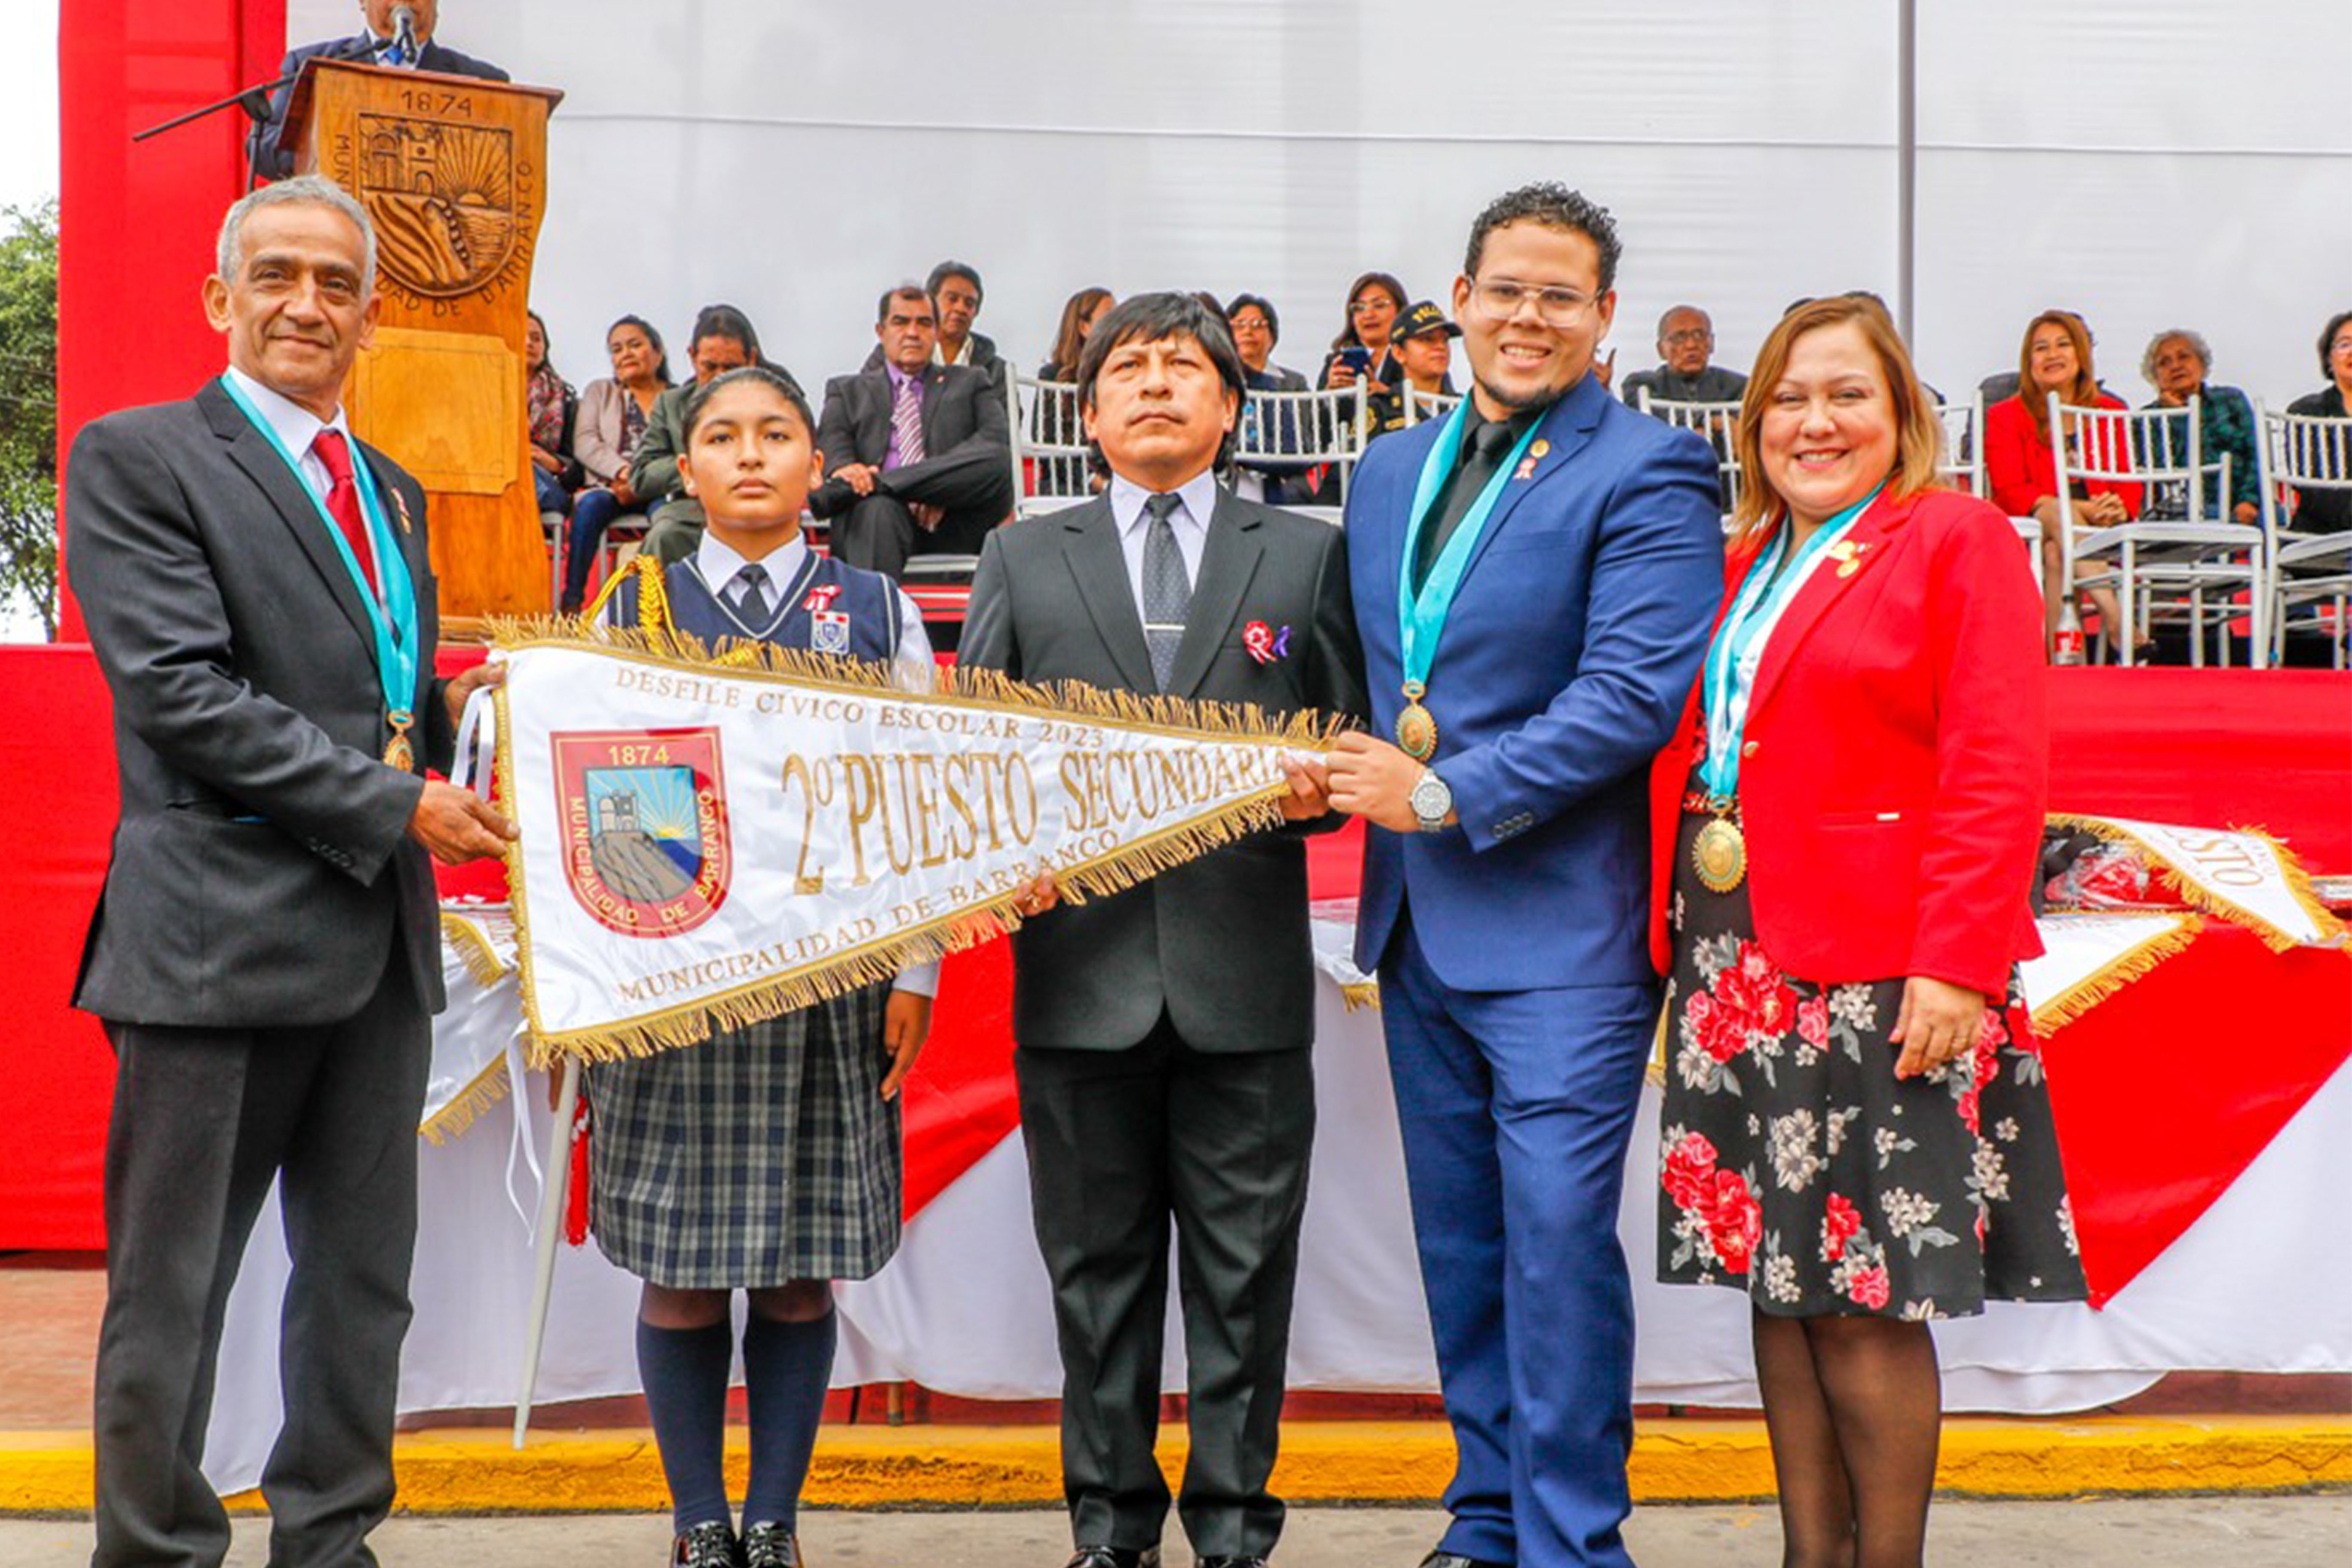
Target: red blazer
x,y
1892,784
2022,469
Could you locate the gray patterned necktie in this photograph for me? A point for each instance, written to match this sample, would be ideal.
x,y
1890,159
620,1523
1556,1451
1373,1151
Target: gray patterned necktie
x,y
751,595
1167,587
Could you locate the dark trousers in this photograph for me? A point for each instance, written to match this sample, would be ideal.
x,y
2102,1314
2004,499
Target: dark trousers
x,y
1120,1142
1517,1107
879,532
204,1120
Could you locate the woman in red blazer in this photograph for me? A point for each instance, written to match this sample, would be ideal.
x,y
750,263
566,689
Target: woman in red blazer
x,y
2021,464
1856,1131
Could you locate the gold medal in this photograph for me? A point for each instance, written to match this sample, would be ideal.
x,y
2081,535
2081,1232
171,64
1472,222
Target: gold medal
x,y
1416,727
397,752
1719,855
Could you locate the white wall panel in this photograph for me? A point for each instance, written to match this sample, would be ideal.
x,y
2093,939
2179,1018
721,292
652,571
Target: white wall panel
x,y
2144,161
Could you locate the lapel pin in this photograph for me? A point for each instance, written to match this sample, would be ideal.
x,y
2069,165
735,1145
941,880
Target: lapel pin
x,y
1527,468
1542,448
401,502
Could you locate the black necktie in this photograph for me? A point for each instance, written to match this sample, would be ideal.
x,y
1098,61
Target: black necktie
x,y
1167,587
751,595
1489,443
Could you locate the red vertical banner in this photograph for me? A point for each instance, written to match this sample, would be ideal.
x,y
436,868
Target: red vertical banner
x,y
137,220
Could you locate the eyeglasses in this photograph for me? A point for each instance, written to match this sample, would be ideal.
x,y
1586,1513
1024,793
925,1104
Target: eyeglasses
x,y
1250,324
1691,335
1500,298
1371,303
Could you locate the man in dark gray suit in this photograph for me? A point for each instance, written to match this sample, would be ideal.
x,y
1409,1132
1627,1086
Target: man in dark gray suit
x,y
265,953
916,455
377,43
1162,1035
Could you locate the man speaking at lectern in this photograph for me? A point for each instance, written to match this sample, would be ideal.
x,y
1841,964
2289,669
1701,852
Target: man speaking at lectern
x,y
396,36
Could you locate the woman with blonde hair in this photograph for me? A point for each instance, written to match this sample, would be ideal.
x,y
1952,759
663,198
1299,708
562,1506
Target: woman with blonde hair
x,y
2021,458
1856,1131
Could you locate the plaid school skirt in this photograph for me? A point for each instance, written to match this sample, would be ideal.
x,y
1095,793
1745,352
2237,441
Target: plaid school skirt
x,y
761,1156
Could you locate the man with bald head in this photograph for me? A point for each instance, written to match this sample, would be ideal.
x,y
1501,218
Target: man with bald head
x,y
1686,347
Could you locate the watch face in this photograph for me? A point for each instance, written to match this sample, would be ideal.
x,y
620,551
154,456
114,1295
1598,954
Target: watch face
x,y
1430,799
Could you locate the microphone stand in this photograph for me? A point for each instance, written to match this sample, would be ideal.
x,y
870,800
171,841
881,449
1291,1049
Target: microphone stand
x,y
253,100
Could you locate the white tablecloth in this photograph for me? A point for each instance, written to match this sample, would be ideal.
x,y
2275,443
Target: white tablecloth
x,y
964,1308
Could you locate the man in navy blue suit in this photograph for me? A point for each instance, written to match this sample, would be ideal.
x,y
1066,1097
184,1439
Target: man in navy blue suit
x,y
380,42
1534,577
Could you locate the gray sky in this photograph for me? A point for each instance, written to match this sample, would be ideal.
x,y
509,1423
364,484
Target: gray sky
x,y
28,90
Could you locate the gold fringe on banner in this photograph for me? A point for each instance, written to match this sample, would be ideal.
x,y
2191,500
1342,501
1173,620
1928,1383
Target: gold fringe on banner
x,y
1362,995
473,945
2113,975
2298,881
489,1087
661,644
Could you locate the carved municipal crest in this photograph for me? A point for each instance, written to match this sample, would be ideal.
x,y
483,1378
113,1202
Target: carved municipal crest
x,y
442,197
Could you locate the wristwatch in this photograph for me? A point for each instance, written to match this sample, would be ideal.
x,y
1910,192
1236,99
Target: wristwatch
x,y
1432,801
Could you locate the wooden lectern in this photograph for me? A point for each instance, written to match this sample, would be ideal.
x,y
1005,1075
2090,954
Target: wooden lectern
x,y
452,170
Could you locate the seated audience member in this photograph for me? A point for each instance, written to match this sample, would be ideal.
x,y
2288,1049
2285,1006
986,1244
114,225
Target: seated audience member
x,y
917,454
2021,465
1685,345
2317,510
2177,363
1361,352
1256,329
549,403
1258,472
1423,341
955,295
1079,314
377,44
615,411
723,340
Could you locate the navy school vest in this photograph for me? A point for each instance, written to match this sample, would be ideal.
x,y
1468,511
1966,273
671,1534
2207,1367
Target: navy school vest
x,y
822,586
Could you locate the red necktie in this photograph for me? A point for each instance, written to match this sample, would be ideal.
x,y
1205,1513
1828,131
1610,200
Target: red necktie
x,y
343,500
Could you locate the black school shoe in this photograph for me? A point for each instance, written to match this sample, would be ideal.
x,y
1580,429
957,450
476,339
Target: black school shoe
x,y
708,1545
768,1545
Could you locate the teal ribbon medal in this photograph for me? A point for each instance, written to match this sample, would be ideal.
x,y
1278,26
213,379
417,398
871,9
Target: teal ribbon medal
x,y
393,617
1421,615
1719,852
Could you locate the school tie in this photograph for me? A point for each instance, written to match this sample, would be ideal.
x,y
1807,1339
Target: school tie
x,y
1167,587
751,595
334,454
907,422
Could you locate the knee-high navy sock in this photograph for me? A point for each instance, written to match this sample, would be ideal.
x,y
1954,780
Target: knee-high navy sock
x,y
786,1369
685,1375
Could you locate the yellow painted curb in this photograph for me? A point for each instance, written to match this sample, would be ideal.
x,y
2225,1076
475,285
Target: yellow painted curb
x,y
474,1471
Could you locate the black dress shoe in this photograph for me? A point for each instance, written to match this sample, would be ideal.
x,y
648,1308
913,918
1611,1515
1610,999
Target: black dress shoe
x,y
1440,1558
708,1545
768,1545
1238,1562
1114,1557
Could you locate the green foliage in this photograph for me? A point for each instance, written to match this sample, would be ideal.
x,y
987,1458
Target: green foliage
x,y
28,413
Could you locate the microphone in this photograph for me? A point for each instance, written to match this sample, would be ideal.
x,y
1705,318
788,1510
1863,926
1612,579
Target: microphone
x,y
404,31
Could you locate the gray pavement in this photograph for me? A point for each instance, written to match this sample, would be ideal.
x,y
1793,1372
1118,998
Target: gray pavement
x,y
2232,1531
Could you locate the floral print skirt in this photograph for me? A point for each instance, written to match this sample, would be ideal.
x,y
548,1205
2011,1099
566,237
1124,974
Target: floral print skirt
x,y
1796,1167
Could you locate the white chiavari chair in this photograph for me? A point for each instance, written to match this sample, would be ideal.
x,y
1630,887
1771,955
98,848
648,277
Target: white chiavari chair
x,y
1290,434
2305,455
1714,422
1051,467
2186,569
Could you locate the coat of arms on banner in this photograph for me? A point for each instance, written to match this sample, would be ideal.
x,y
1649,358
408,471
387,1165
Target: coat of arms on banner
x,y
644,826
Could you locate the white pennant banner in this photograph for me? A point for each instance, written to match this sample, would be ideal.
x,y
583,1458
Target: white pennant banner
x,y
724,840
2244,877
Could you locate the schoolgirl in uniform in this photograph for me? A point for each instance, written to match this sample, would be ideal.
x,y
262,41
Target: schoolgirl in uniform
x,y
767,1158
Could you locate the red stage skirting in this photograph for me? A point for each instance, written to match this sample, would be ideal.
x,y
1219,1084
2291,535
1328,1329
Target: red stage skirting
x,y
2152,1130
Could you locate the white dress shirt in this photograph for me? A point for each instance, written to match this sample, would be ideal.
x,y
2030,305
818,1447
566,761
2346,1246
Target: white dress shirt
x,y
912,670
296,428
1198,499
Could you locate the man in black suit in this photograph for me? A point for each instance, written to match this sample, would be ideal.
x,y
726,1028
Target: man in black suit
x,y
1162,1035
916,455
265,953
379,43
